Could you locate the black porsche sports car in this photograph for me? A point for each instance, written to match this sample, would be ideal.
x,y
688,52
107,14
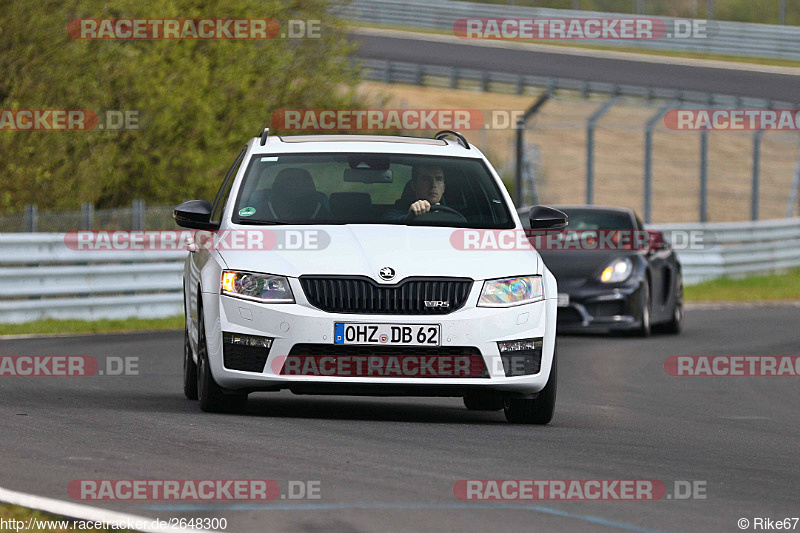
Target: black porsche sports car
x,y
612,273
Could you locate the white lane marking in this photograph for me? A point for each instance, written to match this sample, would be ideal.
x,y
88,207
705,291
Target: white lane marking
x,y
79,511
582,52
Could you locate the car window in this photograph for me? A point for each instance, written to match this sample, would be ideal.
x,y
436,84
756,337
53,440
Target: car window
x,y
352,188
225,189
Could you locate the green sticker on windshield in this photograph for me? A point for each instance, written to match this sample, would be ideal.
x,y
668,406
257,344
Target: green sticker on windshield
x,y
247,211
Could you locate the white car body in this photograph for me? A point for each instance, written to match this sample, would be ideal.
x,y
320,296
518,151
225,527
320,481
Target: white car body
x,y
363,250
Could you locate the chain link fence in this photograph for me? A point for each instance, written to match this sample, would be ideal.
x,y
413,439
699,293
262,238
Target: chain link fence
x,y
139,216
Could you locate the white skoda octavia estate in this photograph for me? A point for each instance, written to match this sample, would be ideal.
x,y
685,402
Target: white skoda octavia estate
x,y
354,265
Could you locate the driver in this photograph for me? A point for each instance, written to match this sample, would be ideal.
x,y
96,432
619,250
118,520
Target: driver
x,y
428,185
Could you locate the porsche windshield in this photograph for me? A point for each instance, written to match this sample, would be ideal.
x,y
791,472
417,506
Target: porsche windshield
x,y
351,188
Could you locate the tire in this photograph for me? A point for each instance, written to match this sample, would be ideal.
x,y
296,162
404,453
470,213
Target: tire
x,y
189,368
483,401
675,325
213,398
645,328
538,410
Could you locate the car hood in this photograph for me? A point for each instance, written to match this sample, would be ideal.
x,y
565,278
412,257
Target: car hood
x,y
569,265
364,249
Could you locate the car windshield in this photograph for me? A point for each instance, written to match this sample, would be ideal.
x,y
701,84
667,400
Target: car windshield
x,y
351,188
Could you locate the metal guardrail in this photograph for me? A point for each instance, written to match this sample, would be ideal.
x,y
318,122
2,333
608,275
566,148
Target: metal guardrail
x,y
429,75
727,38
736,248
40,277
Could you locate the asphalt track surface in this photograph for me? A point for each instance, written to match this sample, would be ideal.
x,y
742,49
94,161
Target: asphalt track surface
x,y
455,52
389,464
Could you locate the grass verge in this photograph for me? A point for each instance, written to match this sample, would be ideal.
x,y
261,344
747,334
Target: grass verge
x,y
92,326
46,522
752,288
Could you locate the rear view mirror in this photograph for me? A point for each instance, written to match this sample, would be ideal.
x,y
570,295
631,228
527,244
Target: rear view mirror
x,y
195,214
543,217
368,175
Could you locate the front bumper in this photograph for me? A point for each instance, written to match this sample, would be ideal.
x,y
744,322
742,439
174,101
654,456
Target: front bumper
x,y
300,323
594,307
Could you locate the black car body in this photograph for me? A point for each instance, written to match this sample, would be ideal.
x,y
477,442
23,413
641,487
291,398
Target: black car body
x,y
650,297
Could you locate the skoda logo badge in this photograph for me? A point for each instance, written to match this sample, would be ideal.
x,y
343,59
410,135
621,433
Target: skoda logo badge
x,y
386,273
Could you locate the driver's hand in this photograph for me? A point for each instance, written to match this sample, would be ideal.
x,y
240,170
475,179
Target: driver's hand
x,y
419,207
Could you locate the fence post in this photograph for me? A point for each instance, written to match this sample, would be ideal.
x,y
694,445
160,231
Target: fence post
x,y
87,214
704,176
756,164
31,216
137,218
648,161
590,125
532,110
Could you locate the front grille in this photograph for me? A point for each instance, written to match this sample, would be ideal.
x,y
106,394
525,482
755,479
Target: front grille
x,y
385,361
362,295
606,309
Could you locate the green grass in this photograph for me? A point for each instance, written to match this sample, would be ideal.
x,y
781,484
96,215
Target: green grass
x,y
96,326
15,512
632,49
752,288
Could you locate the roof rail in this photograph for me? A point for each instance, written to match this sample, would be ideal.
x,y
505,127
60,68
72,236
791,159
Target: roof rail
x,y
264,136
450,133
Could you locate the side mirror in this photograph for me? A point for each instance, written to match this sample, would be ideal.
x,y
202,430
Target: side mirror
x,y
195,214
543,217
655,240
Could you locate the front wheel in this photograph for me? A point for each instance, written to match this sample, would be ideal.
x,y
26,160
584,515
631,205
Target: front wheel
x,y
212,397
538,410
189,368
644,327
675,325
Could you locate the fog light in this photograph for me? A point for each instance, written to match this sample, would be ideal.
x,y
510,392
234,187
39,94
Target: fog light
x,y
247,340
521,357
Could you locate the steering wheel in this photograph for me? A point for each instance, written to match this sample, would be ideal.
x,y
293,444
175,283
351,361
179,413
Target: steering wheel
x,y
445,210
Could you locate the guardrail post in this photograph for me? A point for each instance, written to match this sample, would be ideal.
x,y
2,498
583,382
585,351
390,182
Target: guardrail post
x,y
590,125
418,74
704,176
454,78
387,75
31,218
532,110
756,164
648,161
520,84
87,214
484,81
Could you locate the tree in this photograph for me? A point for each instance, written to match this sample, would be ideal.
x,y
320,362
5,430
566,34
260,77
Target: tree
x,y
198,100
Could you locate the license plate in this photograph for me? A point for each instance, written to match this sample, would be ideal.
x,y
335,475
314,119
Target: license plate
x,y
563,300
388,334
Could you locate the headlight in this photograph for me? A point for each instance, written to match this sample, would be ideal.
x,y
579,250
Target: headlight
x,y
256,287
511,291
619,270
